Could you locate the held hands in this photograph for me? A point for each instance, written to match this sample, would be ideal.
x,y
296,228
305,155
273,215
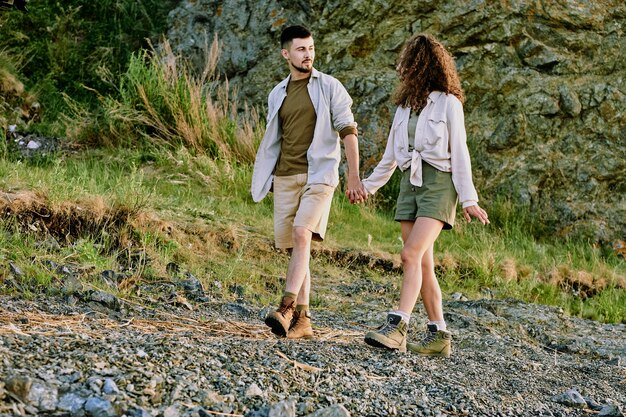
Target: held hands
x,y
356,192
477,212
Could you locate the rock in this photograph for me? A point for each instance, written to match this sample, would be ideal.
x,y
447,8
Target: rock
x,y
254,391
110,387
283,409
570,398
538,78
43,396
36,393
171,411
593,405
104,298
64,270
98,407
72,403
238,309
569,101
172,269
138,412
336,410
610,410
19,386
16,271
161,369
457,296
191,285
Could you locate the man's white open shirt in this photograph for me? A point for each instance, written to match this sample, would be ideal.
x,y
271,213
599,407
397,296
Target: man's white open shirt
x,y
332,106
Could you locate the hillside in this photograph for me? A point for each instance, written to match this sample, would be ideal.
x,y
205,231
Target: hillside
x,y
544,83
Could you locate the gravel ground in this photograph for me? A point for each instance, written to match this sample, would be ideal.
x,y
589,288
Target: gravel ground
x,y
84,358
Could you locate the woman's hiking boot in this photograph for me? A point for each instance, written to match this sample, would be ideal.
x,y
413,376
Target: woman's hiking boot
x,y
300,325
391,335
435,343
280,320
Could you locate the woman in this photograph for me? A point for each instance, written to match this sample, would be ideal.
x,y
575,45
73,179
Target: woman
x,y
427,142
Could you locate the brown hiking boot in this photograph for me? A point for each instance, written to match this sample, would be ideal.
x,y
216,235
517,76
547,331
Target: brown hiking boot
x,y
280,320
435,343
300,325
391,335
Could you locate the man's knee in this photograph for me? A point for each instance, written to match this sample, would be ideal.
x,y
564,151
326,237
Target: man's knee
x,y
301,235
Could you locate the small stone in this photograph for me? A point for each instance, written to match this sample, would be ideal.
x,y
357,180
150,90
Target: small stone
x,y
50,264
171,411
570,398
335,410
104,298
98,407
72,285
95,384
191,284
593,405
32,144
110,387
254,391
610,410
43,396
15,270
19,386
64,270
137,412
283,409
457,296
172,268
71,403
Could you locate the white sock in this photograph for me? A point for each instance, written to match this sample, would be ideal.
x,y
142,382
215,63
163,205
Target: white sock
x,y
405,317
441,324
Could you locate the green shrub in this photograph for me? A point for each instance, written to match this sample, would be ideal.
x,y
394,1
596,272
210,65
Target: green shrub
x,y
163,103
65,45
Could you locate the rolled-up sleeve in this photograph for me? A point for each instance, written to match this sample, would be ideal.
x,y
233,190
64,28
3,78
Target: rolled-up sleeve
x,y
341,112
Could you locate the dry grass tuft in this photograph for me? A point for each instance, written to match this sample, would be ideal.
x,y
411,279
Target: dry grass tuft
x,y
447,262
584,284
509,270
32,212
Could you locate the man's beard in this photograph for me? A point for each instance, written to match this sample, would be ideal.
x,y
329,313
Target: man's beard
x,y
303,69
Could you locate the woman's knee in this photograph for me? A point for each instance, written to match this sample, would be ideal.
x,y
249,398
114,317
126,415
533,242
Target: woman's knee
x,y
410,256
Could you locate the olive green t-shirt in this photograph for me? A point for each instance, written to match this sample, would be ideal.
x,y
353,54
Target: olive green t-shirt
x,y
297,118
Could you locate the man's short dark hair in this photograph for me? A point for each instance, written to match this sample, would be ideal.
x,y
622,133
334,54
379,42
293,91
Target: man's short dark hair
x,y
292,32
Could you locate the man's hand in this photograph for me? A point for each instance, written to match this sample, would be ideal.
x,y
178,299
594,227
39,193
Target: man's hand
x,y
355,192
477,212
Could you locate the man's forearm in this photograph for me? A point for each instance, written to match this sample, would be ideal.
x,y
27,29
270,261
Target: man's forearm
x,y
351,145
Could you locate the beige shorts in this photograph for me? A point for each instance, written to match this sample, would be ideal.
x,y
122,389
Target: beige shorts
x,y
297,203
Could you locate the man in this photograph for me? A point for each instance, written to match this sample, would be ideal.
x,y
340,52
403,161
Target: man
x,y
308,113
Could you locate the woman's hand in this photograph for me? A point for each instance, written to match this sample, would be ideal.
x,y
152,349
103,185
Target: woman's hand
x,y
356,192
477,212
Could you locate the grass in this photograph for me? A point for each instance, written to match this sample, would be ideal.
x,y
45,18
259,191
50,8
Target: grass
x,y
217,233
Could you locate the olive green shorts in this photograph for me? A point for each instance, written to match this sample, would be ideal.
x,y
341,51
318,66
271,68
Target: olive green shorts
x,y
436,198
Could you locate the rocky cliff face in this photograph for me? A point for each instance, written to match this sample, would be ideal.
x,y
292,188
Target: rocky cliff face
x,y
545,85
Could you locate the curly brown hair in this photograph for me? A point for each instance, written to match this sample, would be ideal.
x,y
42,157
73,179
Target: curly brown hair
x,y
425,66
